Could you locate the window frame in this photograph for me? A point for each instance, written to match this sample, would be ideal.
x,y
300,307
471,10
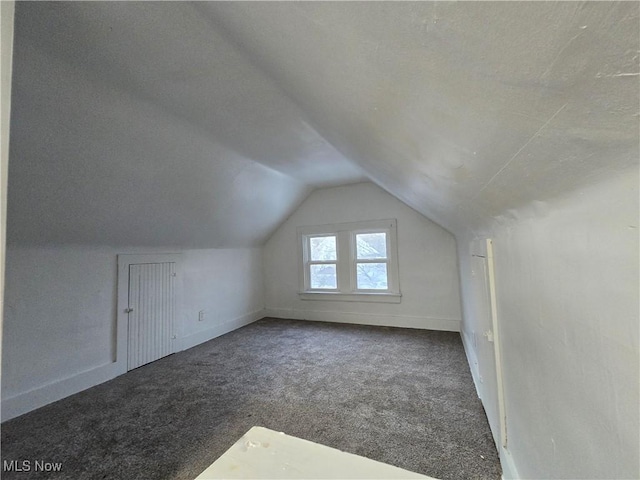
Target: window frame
x,y
309,262
346,262
355,260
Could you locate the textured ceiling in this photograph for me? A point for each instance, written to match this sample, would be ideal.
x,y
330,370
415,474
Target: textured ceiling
x,y
205,124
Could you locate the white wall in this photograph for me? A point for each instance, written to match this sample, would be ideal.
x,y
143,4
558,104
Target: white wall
x,y
427,262
227,285
567,290
6,19
60,318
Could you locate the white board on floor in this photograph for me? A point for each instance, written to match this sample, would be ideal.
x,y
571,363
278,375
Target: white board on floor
x,y
264,454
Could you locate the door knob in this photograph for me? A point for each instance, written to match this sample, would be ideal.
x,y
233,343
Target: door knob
x,y
129,310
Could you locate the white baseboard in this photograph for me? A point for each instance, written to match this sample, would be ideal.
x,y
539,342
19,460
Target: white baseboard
x,y
471,360
404,321
39,397
217,330
509,470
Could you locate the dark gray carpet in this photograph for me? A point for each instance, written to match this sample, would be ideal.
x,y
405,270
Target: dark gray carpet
x,y
400,396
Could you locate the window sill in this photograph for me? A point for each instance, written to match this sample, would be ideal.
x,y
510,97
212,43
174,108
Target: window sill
x,y
352,297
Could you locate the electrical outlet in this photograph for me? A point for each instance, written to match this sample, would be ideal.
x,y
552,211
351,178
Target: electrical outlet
x,y
201,316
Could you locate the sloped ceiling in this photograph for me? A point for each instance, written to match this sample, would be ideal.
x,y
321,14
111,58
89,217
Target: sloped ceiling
x,y
205,124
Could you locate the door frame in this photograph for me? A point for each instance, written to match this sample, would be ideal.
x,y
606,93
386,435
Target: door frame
x,y
122,317
497,347
483,248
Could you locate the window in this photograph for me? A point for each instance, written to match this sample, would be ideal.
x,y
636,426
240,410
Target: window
x,y
371,261
350,262
323,258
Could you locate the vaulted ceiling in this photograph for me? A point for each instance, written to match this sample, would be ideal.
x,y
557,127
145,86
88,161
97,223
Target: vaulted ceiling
x,y
206,124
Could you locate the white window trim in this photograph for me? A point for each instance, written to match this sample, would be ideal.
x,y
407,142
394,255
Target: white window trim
x,y
305,239
345,234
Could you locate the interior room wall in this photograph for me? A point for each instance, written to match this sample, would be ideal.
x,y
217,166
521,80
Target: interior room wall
x,y
6,21
427,263
226,285
567,304
60,318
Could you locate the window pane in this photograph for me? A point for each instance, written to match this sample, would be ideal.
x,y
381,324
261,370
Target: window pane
x,y
323,276
323,248
372,276
371,245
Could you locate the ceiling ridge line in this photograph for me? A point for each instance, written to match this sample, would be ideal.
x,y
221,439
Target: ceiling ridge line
x,y
520,150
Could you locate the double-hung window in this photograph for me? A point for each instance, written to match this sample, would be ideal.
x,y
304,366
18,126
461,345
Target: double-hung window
x,y
349,261
323,260
371,261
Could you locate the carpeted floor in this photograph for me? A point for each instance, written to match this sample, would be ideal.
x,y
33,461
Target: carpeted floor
x,y
400,396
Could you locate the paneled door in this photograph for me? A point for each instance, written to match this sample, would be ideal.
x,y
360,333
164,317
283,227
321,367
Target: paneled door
x,y
485,348
151,312
488,348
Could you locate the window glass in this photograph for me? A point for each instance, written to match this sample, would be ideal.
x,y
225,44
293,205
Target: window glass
x,y
323,276
371,276
371,245
323,248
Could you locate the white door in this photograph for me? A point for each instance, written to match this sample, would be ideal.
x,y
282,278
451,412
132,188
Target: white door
x,y
488,346
151,312
485,347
